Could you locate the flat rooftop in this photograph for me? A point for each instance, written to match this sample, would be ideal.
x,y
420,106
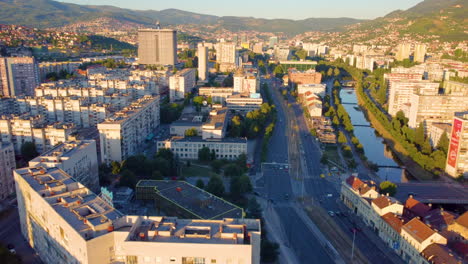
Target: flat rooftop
x,y
435,193
197,201
173,230
127,112
83,210
208,140
64,150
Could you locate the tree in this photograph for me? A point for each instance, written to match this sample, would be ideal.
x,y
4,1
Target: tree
x,y
116,167
336,72
200,184
232,170
28,151
301,54
419,136
240,186
278,71
156,175
443,143
388,187
342,138
254,210
166,154
330,72
324,159
128,179
204,154
215,186
216,165
191,132
269,251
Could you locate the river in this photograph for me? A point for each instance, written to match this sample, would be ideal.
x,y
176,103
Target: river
x,y
374,147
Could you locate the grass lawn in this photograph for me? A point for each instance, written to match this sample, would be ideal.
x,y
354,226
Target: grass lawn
x,y
332,153
196,171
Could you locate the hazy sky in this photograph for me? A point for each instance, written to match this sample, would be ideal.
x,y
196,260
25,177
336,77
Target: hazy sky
x,y
292,9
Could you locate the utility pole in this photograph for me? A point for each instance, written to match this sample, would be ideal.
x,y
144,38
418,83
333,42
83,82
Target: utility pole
x,y
352,249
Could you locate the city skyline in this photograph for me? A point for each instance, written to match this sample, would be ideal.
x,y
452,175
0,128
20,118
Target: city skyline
x,y
274,10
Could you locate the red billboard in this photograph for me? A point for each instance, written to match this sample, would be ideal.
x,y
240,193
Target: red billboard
x,y
454,142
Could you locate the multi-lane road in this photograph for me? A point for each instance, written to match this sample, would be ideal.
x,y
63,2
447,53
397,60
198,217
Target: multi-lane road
x,y
325,191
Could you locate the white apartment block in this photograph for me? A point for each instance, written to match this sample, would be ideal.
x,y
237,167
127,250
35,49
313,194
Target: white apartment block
x,y
431,108
7,165
246,83
188,147
202,62
217,94
238,102
26,128
400,94
227,56
123,134
318,89
64,222
77,158
181,83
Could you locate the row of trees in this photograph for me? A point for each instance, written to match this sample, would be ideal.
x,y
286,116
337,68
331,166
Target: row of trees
x,y
415,143
253,124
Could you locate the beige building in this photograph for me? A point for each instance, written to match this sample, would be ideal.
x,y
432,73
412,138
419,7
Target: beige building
x,y
357,195
318,89
432,107
18,76
227,56
216,124
403,51
7,165
457,158
26,128
157,46
217,94
181,84
460,227
419,53
188,147
202,61
455,87
64,222
246,83
417,236
77,158
241,103
436,130
123,134
400,94
49,67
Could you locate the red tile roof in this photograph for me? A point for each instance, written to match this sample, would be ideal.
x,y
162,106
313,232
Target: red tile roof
x,y
382,201
354,182
418,230
463,220
439,219
417,207
395,221
440,254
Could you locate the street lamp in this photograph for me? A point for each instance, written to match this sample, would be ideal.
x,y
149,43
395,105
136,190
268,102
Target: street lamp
x,y
352,248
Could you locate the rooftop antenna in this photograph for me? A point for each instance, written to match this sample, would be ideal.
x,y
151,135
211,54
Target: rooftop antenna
x,y
158,26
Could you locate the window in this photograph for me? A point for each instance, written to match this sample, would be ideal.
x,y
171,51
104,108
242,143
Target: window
x,y
132,260
172,259
193,260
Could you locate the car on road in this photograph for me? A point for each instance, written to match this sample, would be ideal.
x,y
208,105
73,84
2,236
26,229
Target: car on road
x,y
286,196
329,195
331,213
11,248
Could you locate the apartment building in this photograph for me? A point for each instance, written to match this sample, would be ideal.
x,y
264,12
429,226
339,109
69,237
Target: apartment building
x,y
400,94
419,53
50,67
77,158
18,76
430,107
157,46
7,165
227,56
403,51
436,130
246,83
457,158
26,128
242,103
217,94
181,83
307,77
122,134
315,88
202,61
64,222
